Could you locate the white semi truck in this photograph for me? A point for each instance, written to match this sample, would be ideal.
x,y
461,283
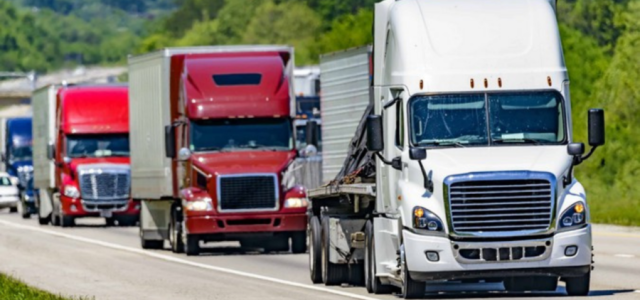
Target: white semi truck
x,y
461,167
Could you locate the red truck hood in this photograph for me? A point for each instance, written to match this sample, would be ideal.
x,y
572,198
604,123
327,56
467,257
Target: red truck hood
x,y
237,162
75,162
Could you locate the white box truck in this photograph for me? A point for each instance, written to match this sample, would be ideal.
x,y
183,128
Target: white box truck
x,y
461,167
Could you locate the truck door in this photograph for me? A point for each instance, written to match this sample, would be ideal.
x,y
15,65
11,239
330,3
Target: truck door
x,y
387,229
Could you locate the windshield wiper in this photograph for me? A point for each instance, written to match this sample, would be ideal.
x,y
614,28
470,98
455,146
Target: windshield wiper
x,y
209,149
447,143
516,140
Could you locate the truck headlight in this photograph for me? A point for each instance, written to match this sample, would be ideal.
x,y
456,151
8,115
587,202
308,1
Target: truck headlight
x,y
573,217
296,203
426,220
71,191
202,204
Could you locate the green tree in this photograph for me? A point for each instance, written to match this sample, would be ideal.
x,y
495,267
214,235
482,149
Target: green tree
x,y
285,23
346,32
188,13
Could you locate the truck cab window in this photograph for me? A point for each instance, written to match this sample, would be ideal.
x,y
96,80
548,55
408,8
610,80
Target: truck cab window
x,y
238,134
97,145
480,119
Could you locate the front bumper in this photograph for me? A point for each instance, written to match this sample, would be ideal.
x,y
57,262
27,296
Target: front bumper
x,y
11,201
79,208
241,224
451,264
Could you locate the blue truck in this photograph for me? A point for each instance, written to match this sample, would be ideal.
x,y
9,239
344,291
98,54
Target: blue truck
x,y
17,159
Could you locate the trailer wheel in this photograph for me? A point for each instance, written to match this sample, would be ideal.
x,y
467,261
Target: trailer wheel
x,y
372,282
299,242
332,274
191,244
411,289
315,251
42,221
578,286
175,232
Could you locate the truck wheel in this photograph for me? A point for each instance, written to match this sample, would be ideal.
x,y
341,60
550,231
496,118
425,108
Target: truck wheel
x,y
372,282
110,222
278,243
67,221
578,286
191,244
332,274
411,289
26,212
175,233
315,244
299,242
42,221
13,210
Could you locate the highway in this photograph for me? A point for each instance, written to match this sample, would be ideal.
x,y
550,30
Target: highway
x,y
107,263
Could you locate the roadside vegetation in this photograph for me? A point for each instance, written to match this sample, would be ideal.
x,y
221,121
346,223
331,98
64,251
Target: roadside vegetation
x,y
13,289
601,47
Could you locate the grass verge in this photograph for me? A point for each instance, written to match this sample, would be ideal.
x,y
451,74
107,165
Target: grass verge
x,y
11,288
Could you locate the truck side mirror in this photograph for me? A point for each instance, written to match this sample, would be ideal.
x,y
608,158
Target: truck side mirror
x,y
575,149
170,141
51,151
374,133
418,153
312,133
596,127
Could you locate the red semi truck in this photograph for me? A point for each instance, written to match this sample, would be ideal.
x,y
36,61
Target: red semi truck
x,y
215,147
81,154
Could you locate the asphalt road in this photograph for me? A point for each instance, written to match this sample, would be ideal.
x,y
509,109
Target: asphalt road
x,y
107,263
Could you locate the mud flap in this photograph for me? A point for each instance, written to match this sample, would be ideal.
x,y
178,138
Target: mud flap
x,y
155,216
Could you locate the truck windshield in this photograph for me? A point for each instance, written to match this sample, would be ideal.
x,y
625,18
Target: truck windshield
x,y
97,145
268,134
21,153
487,119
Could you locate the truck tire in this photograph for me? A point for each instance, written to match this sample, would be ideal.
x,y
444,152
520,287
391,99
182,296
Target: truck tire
x,y
110,222
67,221
42,221
356,274
278,243
315,244
411,289
578,286
175,232
13,210
299,242
126,221
26,212
191,245
372,283
332,274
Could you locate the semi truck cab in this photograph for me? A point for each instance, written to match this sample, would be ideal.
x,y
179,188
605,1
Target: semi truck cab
x,y
18,161
469,137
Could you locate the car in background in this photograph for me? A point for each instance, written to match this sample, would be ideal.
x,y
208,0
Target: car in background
x,y
9,193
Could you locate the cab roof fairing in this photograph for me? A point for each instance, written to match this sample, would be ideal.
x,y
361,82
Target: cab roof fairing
x,y
205,99
93,109
451,42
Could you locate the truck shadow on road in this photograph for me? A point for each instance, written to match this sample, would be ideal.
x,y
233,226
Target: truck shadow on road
x,y
238,251
558,293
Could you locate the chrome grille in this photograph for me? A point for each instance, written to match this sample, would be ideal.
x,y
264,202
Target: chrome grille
x,y
502,206
105,183
248,192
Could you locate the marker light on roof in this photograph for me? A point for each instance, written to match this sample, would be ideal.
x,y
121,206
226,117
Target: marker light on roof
x,y
472,83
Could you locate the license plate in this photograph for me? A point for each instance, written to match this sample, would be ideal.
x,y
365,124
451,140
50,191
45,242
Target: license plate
x,y
106,213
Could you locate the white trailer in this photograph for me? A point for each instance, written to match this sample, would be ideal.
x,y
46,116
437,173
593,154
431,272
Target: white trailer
x,y
44,137
482,88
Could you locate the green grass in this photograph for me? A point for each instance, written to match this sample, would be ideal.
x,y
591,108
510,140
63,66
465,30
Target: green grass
x,y
11,288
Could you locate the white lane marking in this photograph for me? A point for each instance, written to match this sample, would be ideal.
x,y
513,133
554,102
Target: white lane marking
x,y
637,291
624,255
186,262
